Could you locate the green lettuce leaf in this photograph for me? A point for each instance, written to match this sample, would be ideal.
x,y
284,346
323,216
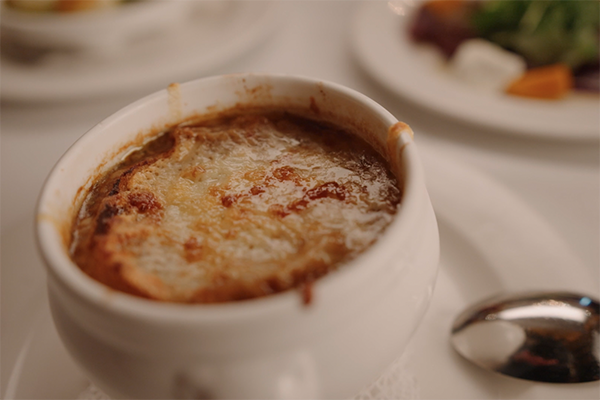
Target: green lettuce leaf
x,y
543,31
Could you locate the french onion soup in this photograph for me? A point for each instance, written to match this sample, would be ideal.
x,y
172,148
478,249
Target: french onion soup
x,y
236,206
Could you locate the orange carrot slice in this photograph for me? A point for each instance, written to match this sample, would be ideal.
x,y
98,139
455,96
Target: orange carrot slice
x,y
549,82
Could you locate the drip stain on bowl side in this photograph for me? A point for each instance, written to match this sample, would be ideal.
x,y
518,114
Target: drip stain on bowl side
x,y
174,100
394,133
313,106
261,93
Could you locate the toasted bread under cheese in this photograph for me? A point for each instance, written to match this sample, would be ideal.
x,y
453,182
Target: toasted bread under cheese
x,y
234,208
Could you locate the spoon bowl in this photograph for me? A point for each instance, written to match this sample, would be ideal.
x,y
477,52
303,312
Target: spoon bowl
x,y
539,336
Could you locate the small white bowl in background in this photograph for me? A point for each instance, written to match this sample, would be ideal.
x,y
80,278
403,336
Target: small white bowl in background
x,y
105,30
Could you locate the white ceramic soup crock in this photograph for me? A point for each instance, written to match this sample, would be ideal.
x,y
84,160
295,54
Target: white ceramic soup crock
x,y
360,318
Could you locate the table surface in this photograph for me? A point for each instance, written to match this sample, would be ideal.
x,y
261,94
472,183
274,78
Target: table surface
x,y
559,179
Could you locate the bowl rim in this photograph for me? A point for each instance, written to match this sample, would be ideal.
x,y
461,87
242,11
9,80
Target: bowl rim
x,y
62,270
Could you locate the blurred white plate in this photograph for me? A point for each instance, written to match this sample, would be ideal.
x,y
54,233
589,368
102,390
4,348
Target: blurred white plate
x,y
491,241
108,28
209,38
417,73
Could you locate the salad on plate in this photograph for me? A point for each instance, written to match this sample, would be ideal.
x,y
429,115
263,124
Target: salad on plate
x,y
531,48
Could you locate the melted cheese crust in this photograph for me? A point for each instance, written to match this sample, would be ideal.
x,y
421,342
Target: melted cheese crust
x,y
234,208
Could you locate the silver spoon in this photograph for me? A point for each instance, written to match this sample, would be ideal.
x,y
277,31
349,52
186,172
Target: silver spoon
x,y
539,336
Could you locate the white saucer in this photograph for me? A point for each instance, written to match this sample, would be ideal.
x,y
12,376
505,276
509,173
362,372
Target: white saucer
x,y
491,241
210,38
417,72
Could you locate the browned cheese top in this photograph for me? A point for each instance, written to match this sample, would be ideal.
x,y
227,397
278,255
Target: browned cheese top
x,y
233,208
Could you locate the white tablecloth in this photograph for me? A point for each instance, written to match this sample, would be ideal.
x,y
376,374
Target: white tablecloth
x,y
559,179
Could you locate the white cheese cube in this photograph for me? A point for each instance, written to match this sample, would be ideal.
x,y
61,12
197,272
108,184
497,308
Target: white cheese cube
x,y
486,65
